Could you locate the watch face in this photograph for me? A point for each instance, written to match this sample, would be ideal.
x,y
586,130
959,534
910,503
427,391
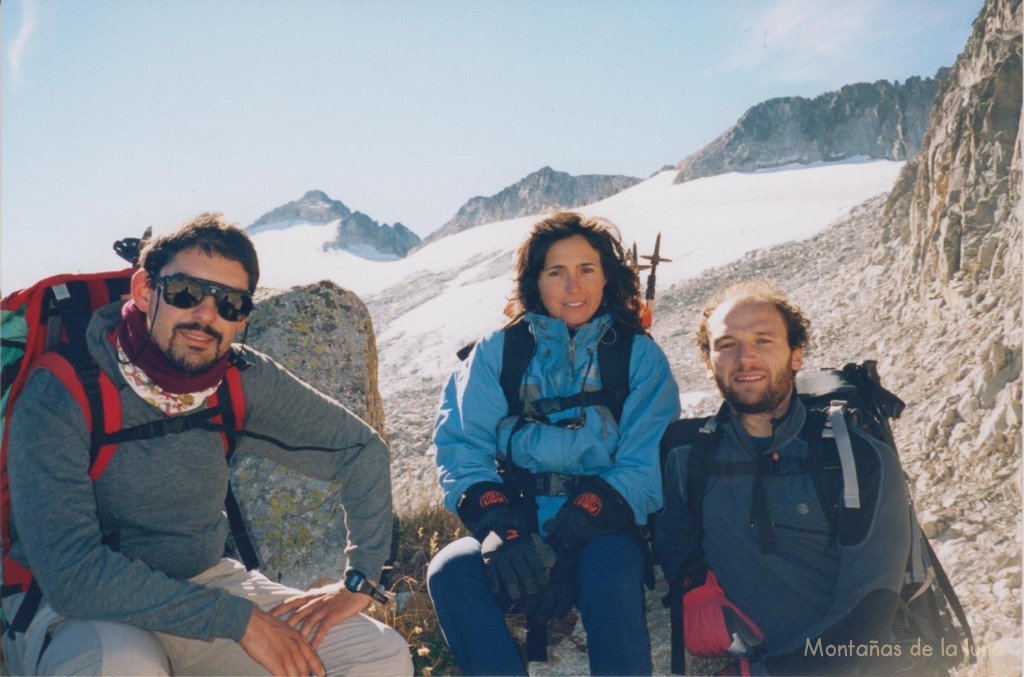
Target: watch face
x,y
355,581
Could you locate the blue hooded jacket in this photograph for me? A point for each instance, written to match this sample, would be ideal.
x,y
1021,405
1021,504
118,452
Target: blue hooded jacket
x,y
473,425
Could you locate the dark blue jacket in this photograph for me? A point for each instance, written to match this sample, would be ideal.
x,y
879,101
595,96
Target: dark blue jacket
x,y
815,585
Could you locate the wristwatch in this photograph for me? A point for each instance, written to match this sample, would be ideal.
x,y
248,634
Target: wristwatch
x,y
356,581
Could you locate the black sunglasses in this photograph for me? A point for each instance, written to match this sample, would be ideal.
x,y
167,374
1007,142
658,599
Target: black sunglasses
x,y
182,291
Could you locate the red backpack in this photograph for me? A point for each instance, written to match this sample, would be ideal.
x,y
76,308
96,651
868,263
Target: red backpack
x,y
43,326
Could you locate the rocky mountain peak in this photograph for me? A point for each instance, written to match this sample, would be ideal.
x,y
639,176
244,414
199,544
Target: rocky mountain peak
x,y
541,190
878,120
361,235
356,232
314,207
315,196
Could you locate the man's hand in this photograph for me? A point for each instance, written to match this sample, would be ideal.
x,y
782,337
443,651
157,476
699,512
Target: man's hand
x,y
316,611
279,647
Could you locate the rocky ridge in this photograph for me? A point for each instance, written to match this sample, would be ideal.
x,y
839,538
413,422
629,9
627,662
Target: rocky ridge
x,y
883,120
358,231
355,232
314,207
542,190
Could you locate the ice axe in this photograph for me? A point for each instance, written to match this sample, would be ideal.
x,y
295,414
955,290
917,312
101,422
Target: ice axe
x,y
633,261
655,259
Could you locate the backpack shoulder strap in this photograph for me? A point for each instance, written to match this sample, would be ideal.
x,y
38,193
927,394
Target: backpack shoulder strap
x,y
97,396
58,363
680,433
837,429
230,405
516,355
822,458
702,435
613,356
100,403
698,468
229,399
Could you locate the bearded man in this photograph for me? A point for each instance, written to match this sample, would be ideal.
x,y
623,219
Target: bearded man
x,y
763,570
130,571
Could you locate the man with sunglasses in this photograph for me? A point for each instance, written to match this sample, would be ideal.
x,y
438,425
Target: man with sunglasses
x,y
130,563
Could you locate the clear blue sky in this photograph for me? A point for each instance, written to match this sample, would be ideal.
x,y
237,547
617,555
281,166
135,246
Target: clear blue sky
x,y
122,114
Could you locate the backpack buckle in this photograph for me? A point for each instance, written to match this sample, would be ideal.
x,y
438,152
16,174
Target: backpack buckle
x,y
178,424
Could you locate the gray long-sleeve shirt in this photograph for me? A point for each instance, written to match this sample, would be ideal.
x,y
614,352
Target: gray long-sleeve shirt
x,y
165,496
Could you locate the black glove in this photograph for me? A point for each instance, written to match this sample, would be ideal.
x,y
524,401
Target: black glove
x,y
516,561
594,508
691,574
555,598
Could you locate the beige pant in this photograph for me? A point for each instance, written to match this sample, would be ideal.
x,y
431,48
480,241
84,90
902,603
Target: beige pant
x,y
59,645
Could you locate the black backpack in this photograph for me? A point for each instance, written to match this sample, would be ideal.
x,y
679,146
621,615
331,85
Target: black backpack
x,y
930,612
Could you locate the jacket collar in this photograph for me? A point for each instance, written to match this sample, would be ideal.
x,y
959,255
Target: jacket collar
x,y
551,329
785,428
102,349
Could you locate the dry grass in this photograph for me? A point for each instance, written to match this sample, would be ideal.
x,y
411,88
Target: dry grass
x,y
420,535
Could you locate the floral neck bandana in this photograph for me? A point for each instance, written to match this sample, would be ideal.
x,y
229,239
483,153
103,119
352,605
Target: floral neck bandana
x,y
170,404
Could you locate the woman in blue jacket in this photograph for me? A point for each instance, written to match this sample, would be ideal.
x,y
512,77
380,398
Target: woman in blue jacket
x,y
553,480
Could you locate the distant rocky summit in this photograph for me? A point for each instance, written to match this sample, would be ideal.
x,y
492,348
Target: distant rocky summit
x,y
356,232
313,207
541,190
882,120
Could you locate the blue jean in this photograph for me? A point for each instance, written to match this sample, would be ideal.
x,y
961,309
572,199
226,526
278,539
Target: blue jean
x,y
609,595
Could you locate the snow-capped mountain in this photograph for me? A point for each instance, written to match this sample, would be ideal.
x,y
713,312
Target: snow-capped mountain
x,y
703,223
315,207
346,230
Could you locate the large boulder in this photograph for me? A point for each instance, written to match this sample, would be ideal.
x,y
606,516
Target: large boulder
x,y
322,334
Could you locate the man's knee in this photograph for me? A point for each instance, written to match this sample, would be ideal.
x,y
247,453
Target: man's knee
x,y
392,656
364,646
83,647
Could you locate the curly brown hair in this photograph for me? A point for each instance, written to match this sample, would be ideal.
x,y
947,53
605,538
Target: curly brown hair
x,y
211,234
622,290
798,327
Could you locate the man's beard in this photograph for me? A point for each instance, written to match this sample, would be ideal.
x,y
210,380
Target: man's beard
x,y
767,401
188,361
